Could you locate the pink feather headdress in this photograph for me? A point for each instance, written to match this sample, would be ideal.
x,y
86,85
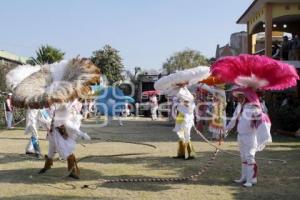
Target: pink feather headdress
x,y
255,71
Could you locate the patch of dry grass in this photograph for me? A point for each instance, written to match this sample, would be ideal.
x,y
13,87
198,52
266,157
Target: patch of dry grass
x,y
114,159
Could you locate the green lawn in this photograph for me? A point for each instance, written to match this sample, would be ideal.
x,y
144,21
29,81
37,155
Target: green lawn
x,y
114,159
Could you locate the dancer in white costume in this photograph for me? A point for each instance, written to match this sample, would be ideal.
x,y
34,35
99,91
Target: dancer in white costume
x,y
253,128
126,109
116,112
64,130
184,124
217,124
153,106
175,85
54,85
35,118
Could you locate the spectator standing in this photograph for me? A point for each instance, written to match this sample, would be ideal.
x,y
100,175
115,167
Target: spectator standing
x,y
294,48
9,111
285,48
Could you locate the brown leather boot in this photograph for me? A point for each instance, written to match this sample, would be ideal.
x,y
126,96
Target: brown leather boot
x,y
72,167
181,150
48,164
190,150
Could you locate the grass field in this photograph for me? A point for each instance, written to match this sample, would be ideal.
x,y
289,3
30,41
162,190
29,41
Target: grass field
x,y
113,159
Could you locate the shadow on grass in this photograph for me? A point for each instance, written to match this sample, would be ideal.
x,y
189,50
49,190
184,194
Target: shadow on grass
x,y
14,157
178,168
54,175
153,131
53,197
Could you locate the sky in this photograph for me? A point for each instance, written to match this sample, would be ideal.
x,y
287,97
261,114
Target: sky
x,y
146,32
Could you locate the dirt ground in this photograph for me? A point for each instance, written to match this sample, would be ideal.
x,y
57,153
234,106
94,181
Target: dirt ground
x,y
110,156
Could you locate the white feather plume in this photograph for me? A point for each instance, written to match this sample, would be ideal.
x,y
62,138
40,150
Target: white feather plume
x,y
189,76
58,69
252,81
18,74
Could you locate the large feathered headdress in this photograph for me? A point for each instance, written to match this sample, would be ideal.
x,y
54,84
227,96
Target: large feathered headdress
x,y
175,84
42,86
255,71
185,77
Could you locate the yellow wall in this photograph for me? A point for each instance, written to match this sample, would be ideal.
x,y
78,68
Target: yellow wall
x,y
255,19
277,34
254,39
253,43
278,10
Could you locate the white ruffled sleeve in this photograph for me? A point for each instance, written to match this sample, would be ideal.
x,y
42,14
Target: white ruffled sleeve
x,y
233,120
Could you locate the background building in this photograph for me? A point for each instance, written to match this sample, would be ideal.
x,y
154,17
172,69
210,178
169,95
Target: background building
x,y
267,21
270,18
238,45
7,62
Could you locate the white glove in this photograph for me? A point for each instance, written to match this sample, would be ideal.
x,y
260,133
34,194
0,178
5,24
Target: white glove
x,y
85,136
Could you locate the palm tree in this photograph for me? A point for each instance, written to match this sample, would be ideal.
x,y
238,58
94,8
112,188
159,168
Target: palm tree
x,y
47,54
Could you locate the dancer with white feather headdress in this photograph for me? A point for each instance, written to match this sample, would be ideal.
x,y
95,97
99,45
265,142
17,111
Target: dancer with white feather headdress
x,y
175,85
56,87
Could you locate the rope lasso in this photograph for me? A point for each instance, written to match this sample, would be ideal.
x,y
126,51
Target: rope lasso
x,y
233,154
156,179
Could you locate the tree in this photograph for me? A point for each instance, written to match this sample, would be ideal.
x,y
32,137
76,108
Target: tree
x,y
184,60
47,54
110,63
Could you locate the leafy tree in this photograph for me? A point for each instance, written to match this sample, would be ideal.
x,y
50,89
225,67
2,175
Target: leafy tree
x,y
47,54
110,63
211,60
184,60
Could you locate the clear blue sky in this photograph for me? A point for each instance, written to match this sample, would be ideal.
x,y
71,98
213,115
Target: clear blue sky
x,y
145,32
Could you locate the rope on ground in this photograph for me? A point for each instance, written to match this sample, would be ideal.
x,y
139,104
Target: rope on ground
x,y
233,154
156,179
122,141
70,186
135,180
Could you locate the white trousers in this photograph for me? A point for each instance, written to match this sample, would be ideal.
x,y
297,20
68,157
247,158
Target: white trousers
x,y
109,120
29,147
247,145
185,134
154,113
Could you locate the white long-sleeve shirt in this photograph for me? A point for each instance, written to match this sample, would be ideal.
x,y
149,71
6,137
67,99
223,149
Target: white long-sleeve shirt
x,y
244,116
188,112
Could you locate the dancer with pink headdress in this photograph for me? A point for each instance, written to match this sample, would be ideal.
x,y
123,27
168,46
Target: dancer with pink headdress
x,y
253,127
252,72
